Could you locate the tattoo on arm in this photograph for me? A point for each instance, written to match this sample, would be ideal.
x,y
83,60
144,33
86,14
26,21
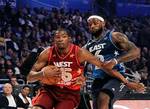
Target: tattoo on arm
x,y
132,52
35,73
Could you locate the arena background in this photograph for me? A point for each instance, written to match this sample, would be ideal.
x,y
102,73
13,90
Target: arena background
x,y
131,17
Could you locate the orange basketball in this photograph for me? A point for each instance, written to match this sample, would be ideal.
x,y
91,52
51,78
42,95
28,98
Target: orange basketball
x,y
49,80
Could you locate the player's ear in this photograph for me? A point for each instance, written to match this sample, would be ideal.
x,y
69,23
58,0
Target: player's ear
x,y
103,23
70,39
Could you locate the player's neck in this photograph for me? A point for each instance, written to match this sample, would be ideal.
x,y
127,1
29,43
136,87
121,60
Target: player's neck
x,y
99,35
64,51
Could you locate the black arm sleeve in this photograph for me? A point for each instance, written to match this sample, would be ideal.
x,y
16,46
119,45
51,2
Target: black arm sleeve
x,y
29,62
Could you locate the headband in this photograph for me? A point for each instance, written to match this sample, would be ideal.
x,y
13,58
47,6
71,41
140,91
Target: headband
x,y
96,17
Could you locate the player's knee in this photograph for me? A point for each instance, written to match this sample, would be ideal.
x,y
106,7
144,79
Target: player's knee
x,y
103,97
37,107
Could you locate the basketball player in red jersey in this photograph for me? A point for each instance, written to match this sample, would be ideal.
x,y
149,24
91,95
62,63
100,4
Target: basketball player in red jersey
x,y
68,59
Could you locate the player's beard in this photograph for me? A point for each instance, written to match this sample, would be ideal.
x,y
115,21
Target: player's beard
x,y
97,33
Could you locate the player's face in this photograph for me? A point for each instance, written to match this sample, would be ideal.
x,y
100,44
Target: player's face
x,y
61,39
95,25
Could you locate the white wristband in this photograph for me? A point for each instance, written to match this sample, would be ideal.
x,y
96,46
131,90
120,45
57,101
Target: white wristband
x,y
115,60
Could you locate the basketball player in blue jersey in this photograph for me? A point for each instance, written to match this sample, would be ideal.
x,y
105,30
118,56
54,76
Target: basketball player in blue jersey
x,y
113,48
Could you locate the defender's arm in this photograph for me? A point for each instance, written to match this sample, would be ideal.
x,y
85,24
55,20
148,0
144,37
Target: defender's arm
x,y
122,42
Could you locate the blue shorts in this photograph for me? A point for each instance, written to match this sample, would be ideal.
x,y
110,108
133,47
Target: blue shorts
x,y
111,86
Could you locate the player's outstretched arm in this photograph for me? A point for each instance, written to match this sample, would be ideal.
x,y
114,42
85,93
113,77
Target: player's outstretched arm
x,y
131,52
85,55
122,42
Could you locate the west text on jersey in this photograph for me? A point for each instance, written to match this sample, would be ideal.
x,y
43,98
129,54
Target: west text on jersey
x,y
62,64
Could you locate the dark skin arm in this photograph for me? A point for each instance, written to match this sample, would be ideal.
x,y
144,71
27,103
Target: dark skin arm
x,y
36,74
85,55
132,52
122,42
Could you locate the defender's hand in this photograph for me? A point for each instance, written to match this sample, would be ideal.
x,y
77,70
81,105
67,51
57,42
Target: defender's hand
x,y
50,71
138,87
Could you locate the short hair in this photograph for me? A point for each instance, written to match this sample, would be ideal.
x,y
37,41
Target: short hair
x,y
13,76
63,29
26,86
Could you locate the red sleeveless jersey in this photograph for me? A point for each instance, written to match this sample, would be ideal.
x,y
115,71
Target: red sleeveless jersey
x,y
69,64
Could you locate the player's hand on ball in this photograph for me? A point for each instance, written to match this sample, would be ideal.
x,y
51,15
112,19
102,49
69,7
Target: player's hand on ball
x,y
138,87
51,75
50,71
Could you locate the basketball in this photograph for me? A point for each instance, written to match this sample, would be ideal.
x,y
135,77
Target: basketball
x,y
47,79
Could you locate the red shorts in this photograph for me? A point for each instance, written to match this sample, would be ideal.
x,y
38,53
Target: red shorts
x,y
54,96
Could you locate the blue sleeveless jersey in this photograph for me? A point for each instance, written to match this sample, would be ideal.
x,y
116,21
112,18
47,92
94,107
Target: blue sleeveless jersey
x,y
105,50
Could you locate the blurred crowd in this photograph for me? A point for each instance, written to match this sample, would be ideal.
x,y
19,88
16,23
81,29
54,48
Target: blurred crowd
x,y
24,30
137,1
